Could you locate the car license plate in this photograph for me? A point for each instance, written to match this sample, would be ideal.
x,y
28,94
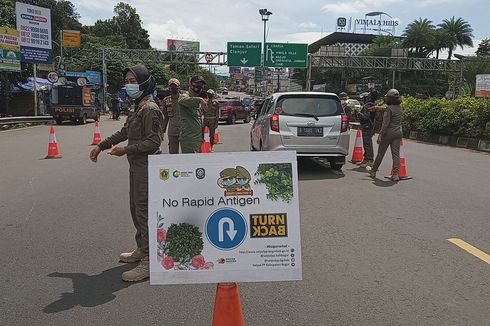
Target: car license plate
x,y
310,131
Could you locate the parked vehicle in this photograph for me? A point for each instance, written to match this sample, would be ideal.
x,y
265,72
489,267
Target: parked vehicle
x,y
73,102
223,90
231,110
313,124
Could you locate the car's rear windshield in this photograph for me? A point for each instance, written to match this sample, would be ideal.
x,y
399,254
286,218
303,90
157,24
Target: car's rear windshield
x,y
320,106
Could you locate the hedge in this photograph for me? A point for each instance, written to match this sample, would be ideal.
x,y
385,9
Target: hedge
x,y
462,117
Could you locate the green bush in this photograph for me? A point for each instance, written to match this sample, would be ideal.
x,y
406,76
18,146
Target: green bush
x,y
464,116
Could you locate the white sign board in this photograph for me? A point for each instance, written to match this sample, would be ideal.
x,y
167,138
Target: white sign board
x,y
224,217
34,26
482,88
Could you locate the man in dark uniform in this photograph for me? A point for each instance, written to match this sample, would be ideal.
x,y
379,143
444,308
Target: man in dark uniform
x,y
191,135
144,132
367,121
115,106
211,115
171,111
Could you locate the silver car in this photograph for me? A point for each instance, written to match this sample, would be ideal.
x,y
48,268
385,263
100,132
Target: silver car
x,y
312,123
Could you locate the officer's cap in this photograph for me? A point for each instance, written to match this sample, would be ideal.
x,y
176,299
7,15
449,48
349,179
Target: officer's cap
x,y
197,79
174,81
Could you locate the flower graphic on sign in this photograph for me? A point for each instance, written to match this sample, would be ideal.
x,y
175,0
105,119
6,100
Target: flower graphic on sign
x,y
180,246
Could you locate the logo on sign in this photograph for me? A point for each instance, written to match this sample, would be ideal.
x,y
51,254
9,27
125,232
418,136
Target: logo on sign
x,y
341,22
164,174
200,173
235,181
226,229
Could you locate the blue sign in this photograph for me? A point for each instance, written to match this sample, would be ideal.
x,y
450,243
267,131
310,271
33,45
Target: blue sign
x,y
35,55
226,229
93,77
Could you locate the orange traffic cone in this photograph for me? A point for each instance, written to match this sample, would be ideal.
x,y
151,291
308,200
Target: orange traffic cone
x,y
227,307
206,144
97,136
53,150
357,155
402,174
217,138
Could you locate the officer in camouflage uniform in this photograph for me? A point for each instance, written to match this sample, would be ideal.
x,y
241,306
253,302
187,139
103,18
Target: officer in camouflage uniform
x,y
171,111
211,115
144,132
191,128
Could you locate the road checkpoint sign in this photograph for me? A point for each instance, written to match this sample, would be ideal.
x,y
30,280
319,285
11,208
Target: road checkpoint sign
x,y
244,54
286,55
225,217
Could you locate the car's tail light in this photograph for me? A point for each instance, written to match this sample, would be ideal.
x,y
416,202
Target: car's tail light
x,y
274,122
345,123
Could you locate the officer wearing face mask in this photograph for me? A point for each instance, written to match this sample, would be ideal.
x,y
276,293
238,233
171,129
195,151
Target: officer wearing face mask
x,y
171,111
143,130
191,135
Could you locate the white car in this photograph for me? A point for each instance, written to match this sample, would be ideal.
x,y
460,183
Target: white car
x,y
311,123
354,103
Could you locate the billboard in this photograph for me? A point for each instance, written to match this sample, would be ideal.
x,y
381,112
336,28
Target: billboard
x,y
182,46
482,88
9,50
71,39
34,25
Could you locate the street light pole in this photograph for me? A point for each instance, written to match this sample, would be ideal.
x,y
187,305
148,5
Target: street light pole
x,y
264,13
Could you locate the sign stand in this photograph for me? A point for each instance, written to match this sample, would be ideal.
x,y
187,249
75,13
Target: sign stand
x,y
34,68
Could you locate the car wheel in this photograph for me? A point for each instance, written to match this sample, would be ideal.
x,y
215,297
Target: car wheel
x,y
336,166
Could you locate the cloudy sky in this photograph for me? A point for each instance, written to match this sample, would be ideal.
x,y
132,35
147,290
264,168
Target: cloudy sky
x,y
215,22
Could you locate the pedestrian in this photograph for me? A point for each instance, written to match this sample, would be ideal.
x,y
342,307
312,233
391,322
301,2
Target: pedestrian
x,y
191,135
115,107
390,134
171,111
211,116
143,130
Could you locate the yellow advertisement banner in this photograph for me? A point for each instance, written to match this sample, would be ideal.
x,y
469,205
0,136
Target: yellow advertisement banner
x,y
9,50
71,39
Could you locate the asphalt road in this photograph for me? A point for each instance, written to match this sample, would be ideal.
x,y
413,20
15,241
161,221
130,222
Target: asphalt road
x,y
374,252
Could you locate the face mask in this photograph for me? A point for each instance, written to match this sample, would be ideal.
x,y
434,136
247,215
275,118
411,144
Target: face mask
x,y
133,90
228,182
242,182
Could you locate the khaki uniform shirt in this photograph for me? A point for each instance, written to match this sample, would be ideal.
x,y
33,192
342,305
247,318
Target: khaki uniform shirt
x,y
171,111
143,130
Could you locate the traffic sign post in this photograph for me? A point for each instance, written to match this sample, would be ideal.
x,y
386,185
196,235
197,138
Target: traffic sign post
x,y
286,55
244,54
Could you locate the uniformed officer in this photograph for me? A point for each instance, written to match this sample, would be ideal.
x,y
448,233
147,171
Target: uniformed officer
x,y
144,132
367,117
211,116
171,111
390,134
191,128
345,105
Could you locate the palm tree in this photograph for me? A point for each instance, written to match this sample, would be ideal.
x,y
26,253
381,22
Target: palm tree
x,y
442,40
419,36
460,31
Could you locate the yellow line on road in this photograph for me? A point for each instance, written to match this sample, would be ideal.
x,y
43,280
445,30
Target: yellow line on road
x,y
472,250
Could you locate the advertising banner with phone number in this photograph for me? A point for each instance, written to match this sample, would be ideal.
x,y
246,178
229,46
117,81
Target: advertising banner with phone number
x,y
224,217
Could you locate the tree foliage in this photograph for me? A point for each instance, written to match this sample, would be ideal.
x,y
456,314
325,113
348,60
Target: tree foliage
x,y
460,33
483,48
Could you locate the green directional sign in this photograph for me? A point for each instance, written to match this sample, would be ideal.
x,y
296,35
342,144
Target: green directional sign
x,y
244,54
286,55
